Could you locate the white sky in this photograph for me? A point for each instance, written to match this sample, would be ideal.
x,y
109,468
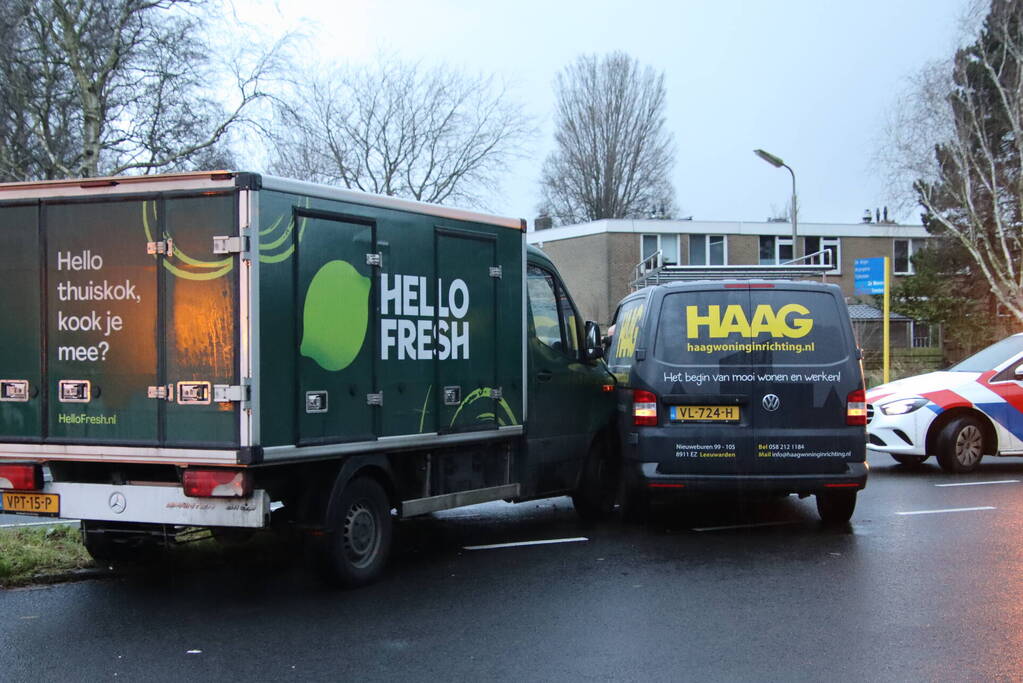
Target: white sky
x,y
810,81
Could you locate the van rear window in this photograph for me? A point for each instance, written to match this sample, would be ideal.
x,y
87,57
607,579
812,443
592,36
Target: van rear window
x,y
626,334
751,327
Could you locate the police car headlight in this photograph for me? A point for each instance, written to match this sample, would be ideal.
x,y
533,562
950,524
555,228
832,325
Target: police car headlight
x,y
903,406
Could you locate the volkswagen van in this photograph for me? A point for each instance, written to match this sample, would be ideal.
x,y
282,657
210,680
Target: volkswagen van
x,y
739,386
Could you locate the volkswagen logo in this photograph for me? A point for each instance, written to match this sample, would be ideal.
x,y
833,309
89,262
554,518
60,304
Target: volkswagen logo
x,y
118,502
770,402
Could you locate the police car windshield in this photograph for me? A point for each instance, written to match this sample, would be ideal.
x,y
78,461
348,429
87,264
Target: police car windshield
x,y
992,356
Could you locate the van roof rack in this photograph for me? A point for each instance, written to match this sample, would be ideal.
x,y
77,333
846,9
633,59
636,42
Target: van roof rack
x,y
653,271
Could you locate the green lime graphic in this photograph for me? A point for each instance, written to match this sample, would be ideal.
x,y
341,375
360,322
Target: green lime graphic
x,y
335,316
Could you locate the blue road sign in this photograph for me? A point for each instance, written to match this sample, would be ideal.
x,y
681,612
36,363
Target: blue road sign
x,y
869,275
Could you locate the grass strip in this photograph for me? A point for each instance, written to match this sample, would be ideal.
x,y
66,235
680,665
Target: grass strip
x,y
27,553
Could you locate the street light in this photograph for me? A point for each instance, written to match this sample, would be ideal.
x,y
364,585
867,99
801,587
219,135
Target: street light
x,y
778,163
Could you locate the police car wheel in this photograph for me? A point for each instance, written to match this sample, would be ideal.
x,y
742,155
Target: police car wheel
x,y
960,445
836,507
909,460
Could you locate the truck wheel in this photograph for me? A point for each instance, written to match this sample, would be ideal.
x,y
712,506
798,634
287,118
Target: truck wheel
x,y
594,500
359,534
909,460
836,507
960,445
113,546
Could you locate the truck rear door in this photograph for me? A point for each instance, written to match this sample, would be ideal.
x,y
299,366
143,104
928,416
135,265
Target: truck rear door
x,y
125,320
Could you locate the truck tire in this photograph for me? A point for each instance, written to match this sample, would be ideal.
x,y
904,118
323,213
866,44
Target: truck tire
x,y
108,545
594,499
909,460
836,507
358,541
960,445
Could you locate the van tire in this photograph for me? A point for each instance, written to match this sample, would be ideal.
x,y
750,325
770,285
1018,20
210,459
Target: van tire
x,y
836,507
960,445
594,499
634,504
359,530
909,460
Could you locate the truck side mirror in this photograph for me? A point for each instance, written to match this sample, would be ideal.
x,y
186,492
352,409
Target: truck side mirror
x,y
594,349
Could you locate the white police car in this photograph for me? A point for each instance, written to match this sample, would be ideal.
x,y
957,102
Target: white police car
x,y
974,408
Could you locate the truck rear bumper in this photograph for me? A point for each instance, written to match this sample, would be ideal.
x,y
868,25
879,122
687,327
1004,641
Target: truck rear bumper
x,y
158,505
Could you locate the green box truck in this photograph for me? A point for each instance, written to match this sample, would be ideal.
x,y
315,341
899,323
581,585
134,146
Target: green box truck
x,y
230,350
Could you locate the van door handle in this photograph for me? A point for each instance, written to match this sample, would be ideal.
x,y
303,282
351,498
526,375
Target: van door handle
x,y
544,375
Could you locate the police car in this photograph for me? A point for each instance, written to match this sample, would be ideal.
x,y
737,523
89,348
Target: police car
x,y
974,408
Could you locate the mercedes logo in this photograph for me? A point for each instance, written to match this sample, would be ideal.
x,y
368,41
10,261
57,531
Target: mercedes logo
x,y
118,502
770,402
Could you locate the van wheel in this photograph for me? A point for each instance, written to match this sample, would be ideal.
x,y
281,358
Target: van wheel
x,y
836,507
909,460
594,500
634,504
358,539
960,445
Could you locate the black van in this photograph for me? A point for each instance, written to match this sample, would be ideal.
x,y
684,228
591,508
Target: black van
x,y
743,386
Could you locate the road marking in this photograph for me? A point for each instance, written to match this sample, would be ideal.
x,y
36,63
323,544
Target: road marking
x,y
740,526
980,483
54,523
934,512
521,543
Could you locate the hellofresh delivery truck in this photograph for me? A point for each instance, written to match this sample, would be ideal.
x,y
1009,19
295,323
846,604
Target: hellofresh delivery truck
x,y
233,351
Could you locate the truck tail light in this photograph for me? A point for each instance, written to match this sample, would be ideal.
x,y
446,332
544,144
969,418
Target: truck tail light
x,y
217,483
21,476
856,408
644,408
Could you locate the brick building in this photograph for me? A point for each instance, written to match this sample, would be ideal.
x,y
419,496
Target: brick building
x,y
599,260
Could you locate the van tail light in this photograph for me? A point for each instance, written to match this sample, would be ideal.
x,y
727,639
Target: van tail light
x,y
22,476
644,408
856,408
217,483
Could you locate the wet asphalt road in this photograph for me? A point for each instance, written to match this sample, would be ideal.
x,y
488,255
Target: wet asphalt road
x,y
925,596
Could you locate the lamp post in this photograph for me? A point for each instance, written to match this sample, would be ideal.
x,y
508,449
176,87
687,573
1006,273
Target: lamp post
x,y
778,163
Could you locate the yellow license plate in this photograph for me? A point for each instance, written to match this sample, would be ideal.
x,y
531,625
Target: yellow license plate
x,y
38,503
705,413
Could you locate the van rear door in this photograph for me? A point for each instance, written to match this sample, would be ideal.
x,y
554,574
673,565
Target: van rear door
x,y
805,368
704,376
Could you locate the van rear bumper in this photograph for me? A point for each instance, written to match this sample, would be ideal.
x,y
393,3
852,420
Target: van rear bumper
x,y
644,475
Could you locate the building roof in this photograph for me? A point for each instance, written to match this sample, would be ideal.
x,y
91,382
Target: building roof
x,y
865,312
654,226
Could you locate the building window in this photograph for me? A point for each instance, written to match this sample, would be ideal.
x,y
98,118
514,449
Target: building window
x,y
775,250
707,250
813,245
666,244
902,256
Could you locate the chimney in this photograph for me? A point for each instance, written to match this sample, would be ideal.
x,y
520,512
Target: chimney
x,y
867,217
543,223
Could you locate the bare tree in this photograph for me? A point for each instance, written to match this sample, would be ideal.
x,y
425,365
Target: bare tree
x,y
974,192
114,86
394,128
613,156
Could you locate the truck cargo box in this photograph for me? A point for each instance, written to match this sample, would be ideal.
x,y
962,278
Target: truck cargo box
x,y
234,319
